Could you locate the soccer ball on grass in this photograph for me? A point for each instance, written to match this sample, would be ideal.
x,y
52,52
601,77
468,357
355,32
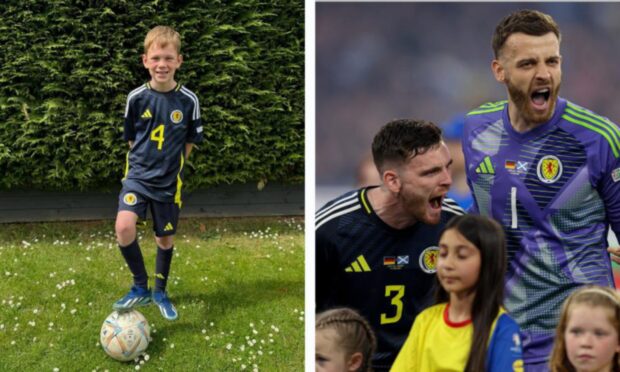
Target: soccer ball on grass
x,y
125,335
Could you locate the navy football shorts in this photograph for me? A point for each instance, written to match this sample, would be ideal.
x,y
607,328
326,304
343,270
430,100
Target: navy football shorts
x,y
165,215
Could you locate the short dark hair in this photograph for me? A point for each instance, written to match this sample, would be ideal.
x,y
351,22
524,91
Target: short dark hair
x,y
402,139
529,22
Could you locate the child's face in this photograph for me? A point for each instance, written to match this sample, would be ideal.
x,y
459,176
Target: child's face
x,y
162,63
458,263
329,355
591,339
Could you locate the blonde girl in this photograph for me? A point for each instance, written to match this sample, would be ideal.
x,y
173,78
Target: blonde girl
x,y
588,334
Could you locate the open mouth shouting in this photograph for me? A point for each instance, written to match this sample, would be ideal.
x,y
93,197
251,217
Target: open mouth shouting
x,y
540,99
435,202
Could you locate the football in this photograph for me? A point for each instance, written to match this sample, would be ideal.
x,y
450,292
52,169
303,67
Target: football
x,y
125,335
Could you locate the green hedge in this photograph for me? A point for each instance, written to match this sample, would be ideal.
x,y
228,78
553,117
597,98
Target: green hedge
x,y
66,68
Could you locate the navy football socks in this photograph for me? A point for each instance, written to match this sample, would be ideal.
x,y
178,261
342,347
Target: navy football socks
x,y
162,268
133,257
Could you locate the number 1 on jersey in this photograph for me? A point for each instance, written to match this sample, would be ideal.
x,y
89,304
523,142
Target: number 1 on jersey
x,y
157,135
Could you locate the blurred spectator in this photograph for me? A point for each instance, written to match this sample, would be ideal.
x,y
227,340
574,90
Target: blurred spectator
x,y
452,134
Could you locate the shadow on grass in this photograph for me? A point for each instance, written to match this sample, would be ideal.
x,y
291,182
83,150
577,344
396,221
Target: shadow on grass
x,y
218,305
239,294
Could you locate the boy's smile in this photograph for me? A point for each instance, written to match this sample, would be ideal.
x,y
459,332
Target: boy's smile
x,y
162,62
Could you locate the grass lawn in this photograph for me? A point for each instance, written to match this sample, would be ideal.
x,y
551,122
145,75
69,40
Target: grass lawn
x,y
238,285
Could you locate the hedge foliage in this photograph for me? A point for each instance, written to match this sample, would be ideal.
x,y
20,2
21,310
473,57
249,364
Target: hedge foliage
x,y
66,67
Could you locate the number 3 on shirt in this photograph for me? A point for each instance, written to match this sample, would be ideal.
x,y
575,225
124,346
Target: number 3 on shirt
x,y
157,135
396,301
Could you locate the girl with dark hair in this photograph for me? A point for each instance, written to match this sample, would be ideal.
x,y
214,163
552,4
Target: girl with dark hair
x,y
467,329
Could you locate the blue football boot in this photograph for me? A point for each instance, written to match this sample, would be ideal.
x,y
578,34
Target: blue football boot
x,y
165,306
137,296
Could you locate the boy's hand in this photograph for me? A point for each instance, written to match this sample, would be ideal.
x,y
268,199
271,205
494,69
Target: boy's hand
x,y
188,149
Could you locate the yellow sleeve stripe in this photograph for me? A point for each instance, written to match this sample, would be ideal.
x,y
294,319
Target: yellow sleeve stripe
x,y
177,195
126,164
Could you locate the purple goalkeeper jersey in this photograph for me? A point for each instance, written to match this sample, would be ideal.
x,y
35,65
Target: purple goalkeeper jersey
x,y
555,191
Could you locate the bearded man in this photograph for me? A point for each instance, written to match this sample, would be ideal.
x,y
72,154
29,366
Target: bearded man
x,y
547,169
376,247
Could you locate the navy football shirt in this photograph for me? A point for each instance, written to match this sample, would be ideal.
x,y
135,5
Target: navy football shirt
x,y
159,124
384,273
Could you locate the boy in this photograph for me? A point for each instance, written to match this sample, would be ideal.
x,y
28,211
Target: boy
x,y
162,122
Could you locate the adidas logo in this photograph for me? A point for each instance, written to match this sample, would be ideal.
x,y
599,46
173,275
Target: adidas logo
x,y
147,114
168,227
358,266
485,166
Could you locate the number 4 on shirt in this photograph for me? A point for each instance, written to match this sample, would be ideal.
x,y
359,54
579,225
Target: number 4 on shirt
x,y
157,135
